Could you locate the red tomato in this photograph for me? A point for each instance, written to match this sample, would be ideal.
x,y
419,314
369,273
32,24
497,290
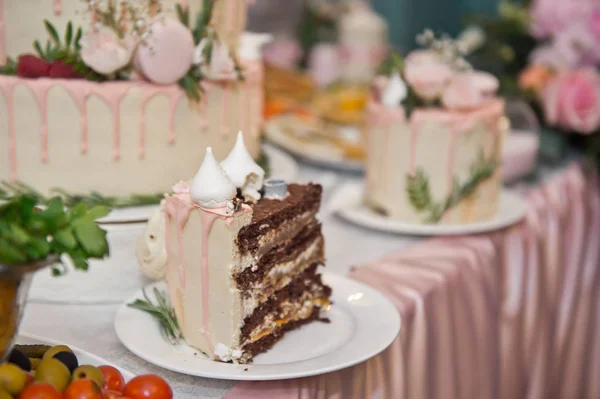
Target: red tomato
x,y
112,394
148,387
113,379
83,389
40,390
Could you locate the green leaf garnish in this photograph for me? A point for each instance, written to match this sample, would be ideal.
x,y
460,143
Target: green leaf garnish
x,y
69,35
30,233
419,193
162,312
52,31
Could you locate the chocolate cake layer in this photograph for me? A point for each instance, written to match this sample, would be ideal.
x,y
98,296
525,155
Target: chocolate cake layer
x,y
270,214
308,281
267,342
280,255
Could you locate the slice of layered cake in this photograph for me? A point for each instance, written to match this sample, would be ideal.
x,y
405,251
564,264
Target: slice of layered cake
x,y
242,257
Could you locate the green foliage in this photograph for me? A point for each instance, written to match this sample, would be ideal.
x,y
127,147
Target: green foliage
x,y
162,312
419,192
30,233
67,52
392,63
507,46
9,68
76,202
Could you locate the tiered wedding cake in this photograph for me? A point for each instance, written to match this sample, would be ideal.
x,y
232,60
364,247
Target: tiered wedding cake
x,y
125,94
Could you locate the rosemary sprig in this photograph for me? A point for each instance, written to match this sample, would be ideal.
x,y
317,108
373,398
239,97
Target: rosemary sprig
x,y
162,312
419,191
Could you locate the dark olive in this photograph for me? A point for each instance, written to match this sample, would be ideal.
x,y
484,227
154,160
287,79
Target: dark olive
x,y
68,359
20,359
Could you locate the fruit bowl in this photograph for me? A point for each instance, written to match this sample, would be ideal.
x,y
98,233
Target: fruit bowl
x,y
15,281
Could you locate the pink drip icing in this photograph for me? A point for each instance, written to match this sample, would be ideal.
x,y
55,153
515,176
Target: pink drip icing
x,y
80,94
57,7
7,87
175,95
112,95
2,35
412,160
149,91
208,220
40,91
243,111
223,117
454,131
230,16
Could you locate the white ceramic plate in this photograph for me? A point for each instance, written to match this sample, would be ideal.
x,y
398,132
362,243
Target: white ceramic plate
x,y
282,166
82,356
363,323
320,154
347,202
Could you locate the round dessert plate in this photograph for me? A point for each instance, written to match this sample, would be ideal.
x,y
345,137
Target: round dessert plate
x,y
363,323
347,202
322,154
83,356
282,166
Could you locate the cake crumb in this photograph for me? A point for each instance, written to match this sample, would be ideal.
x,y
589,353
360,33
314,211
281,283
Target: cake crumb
x,y
246,369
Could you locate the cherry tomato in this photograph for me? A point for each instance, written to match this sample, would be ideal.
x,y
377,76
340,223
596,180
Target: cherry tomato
x,y
113,379
148,387
112,394
40,390
83,389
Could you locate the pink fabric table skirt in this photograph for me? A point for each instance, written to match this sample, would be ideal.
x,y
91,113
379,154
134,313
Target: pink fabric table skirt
x,y
513,314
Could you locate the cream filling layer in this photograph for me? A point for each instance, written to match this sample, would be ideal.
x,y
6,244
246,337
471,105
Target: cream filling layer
x,y
288,312
280,276
275,238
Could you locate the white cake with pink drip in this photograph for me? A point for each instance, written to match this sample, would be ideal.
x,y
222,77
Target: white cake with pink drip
x,y
116,97
434,140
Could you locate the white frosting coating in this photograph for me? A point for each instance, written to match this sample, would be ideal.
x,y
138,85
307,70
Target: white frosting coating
x,y
246,174
211,187
395,92
226,354
150,250
250,48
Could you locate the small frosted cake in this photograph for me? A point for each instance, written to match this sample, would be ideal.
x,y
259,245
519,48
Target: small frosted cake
x,y
434,139
240,257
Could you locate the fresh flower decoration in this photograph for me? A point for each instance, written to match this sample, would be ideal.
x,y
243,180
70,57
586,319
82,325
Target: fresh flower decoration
x,y
437,76
554,55
132,40
104,52
214,60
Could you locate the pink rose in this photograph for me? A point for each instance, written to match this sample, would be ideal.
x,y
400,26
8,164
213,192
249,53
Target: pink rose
x,y
221,66
104,52
463,93
427,74
571,100
549,17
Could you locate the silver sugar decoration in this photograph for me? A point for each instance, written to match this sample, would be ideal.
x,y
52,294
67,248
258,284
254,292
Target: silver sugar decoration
x,y
275,189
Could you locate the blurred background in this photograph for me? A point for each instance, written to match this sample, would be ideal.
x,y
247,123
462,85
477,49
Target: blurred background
x,y
405,18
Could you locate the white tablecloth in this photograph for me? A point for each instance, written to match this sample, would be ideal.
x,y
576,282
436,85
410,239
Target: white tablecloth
x,y
80,311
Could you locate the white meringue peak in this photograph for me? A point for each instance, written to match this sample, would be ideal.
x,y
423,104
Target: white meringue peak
x,y
239,165
395,92
211,187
